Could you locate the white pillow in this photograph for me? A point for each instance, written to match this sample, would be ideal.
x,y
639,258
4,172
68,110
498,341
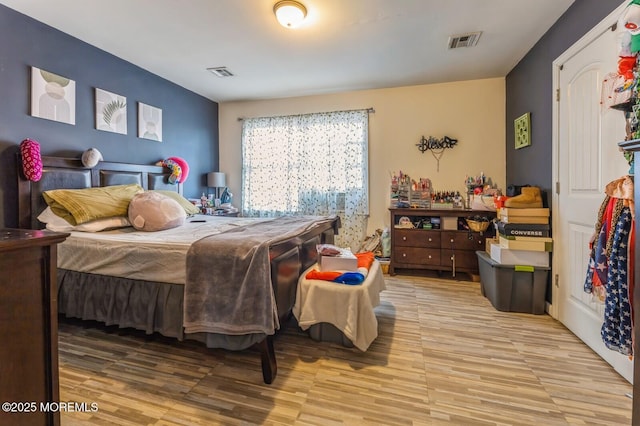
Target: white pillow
x,y
57,224
49,217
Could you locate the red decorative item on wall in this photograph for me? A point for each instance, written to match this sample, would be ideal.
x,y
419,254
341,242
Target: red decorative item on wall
x,y
31,159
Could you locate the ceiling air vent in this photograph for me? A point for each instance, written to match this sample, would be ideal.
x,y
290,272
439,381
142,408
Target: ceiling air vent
x,y
464,40
220,72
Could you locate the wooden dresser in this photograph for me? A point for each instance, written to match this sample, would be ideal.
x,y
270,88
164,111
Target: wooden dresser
x,y
446,246
28,326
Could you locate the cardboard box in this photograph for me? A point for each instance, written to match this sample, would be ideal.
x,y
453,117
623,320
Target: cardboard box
x,y
523,229
532,216
527,243
345,261
519,257
512,288
488,243
541,220
510,211
450,223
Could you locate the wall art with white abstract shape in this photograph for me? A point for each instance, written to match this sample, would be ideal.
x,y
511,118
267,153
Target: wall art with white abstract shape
x,y
149,122
52,96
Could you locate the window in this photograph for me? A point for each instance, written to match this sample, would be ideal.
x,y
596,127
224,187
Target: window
x,y
312,164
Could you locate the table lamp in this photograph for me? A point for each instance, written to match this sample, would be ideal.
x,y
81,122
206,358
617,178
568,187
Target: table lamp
x,y
216,180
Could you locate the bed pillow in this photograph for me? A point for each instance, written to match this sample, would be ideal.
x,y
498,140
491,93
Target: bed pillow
x,y
187,205
78,206
152,211
55,223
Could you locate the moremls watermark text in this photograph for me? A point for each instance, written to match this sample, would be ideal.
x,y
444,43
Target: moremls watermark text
x,y
49,407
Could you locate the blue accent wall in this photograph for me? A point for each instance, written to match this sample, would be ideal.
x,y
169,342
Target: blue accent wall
x,y
189,121
529,89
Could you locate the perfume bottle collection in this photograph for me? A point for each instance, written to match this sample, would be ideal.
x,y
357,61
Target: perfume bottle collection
x,y
217,206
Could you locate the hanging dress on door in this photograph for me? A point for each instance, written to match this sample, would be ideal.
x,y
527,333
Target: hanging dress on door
x,y
611,264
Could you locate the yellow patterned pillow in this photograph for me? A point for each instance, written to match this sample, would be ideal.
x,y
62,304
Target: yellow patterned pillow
x,y
78,206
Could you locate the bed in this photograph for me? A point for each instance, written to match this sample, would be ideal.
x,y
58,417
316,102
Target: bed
x,y
146,292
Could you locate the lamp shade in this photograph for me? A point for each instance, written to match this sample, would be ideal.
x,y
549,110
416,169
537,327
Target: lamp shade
x,y
289,13
216,180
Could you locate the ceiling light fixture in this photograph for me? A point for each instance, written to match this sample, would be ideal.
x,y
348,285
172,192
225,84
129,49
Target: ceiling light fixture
x,y
289,13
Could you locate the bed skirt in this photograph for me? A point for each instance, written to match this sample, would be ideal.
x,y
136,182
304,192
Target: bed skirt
x,y
143,305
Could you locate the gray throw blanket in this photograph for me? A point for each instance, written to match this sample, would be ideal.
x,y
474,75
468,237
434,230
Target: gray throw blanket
x,y
228,288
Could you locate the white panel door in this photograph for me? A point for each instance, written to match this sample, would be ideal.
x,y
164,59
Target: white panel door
x,y
588,159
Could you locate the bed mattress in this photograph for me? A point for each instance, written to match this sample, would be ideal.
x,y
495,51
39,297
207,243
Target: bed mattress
x,y
151,256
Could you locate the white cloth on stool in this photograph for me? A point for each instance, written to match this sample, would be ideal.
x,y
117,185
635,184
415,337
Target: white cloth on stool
x,y
348,307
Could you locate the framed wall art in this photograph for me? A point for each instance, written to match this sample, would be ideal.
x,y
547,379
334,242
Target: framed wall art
x,y
111,112
149,122
52,96
522,127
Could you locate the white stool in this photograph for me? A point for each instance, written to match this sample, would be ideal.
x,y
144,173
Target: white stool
x,y
340,313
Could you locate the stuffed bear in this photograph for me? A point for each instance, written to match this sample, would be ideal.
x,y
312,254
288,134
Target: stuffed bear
x,y
91,157
153,211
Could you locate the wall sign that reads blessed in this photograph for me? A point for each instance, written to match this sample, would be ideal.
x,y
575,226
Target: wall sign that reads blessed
x,y
436,146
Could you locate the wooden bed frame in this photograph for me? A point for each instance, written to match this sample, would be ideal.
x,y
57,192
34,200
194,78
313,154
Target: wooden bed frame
x,y
288,258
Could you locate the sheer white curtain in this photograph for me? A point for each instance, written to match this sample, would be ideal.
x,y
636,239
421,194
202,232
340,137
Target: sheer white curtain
x,y
312,164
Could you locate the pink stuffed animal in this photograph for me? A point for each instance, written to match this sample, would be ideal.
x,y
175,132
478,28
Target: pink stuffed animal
x,y
184,166
31,159
179,169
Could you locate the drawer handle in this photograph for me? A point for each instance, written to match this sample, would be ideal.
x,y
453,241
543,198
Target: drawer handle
x,y
430,240
404,254
404,238
429,256
452,240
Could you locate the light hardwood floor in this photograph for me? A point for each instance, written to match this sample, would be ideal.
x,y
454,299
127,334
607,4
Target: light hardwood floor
x,y
444,356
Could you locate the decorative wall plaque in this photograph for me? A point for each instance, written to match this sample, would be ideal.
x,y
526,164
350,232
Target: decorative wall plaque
x,y
436,147
522,129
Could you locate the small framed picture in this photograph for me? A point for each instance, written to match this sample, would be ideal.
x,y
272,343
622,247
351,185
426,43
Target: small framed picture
x,y
52,96
149,122
111,112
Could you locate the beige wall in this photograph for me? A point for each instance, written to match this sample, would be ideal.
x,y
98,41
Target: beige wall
x,y
471,111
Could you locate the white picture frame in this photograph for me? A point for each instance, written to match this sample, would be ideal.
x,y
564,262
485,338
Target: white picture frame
x,y
53,97
149,122
111,112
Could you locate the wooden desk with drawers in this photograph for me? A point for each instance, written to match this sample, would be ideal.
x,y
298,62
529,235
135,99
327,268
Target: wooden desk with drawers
x,y
450,247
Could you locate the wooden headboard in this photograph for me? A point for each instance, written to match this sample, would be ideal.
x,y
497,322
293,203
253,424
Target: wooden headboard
x,y
70,173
